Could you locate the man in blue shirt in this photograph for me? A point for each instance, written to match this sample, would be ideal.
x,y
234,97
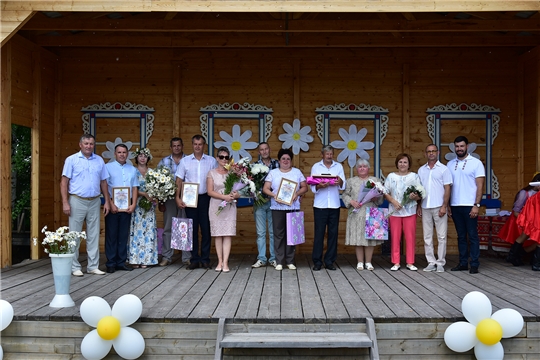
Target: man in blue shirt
x,y
118,222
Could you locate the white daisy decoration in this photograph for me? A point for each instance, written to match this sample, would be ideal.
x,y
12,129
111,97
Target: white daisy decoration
x,y
452,155
109,153
112,327
483,330
237,143
296,137
352,145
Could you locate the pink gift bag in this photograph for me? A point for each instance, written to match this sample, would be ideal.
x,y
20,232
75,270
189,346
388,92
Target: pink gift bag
x,y
182,234
295,228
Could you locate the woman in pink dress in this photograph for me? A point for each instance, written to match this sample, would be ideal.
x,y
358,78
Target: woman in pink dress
x,y
222,222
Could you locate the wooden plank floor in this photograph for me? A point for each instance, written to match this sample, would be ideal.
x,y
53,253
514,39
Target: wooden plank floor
x,y
264,295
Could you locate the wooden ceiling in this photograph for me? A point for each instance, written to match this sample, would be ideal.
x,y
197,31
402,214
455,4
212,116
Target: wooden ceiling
x,y
230,29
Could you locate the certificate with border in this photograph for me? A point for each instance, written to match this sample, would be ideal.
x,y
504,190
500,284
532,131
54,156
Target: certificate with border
x,y
190,194
286,191
121,197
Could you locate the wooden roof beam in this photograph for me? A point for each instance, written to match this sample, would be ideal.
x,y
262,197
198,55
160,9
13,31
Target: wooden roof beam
x,y
204,40
272,6
224,25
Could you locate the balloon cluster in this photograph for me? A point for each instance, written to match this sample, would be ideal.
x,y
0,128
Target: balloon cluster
x,y
6,316
484,330
111,327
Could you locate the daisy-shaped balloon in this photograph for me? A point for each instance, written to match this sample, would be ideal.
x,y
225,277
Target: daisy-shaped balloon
x,y
352,145
484,330
6,316
237,143
111,327
296,136
452,155
109,153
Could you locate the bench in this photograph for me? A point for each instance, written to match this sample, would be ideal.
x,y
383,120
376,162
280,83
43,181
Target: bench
x,y
273,340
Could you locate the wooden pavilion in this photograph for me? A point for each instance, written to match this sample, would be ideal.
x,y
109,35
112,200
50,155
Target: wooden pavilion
x,y
412,72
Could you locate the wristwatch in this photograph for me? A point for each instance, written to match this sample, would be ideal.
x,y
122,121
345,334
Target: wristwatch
x,y
477,205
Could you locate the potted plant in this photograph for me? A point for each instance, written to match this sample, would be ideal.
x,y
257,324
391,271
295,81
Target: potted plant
x,y
60,245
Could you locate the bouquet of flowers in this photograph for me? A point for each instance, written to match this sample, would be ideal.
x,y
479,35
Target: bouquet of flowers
x,y
246,178
160,184
61,241
371,190
146,204
413,189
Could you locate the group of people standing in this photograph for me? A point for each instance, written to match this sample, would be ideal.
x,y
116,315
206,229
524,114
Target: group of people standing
x,y
453,190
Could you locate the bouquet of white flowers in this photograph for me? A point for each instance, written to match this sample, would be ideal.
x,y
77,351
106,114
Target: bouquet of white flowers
x,y
61,241
160,184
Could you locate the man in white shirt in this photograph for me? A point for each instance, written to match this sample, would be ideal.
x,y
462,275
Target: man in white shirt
x,y
468,177
437,181
326,207
193,169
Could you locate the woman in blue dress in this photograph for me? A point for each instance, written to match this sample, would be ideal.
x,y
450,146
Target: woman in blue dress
x,y
142,248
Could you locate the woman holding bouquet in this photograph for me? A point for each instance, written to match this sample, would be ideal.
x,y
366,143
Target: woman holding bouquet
x,y
222,210
283,251
403,189
356,220
142,247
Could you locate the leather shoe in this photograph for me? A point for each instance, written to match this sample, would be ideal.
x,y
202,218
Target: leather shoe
x,y
193,265
110,269
164,262
330,267
316,267
474,270
461,268
123,267
205,265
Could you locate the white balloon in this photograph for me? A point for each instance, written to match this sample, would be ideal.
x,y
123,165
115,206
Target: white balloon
x,y
93,347
127,309
6,314
1,352
476,307
460,336
129,344
94,309
487,352
511,321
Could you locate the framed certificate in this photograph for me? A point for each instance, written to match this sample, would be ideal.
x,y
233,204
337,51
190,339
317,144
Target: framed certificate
x,y
286,191
121,197
190,194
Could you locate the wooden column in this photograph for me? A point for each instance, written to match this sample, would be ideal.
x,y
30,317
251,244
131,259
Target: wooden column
x,y
406,110
58,164
5,156
36,144
177,83
296,102
521,118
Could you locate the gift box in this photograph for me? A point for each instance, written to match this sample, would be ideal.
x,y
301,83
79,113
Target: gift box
x,y
295,228
182,234
376,223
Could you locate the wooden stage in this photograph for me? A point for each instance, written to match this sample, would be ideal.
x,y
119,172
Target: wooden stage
x,y
411,310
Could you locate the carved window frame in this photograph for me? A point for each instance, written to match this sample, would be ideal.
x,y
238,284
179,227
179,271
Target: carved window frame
x,y
377,114
465,111
118,110
235,111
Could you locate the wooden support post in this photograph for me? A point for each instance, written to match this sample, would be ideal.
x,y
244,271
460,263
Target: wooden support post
x,y
57,140
36,145
521,118
296,102
406,110
5,156
177,83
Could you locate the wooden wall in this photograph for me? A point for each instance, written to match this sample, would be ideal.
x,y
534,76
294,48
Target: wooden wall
x,y
293,83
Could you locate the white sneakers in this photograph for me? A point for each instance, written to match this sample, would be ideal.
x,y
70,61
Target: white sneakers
x,y
291,267
279,267
430,267
77,273
369,267
360,266
96,272
273,263
258,264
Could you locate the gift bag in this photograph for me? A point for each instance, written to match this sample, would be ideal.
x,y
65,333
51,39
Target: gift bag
x,y
295,228
376,223
159,240
182,232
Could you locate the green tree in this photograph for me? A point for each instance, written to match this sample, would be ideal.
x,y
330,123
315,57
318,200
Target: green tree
x,y
21,158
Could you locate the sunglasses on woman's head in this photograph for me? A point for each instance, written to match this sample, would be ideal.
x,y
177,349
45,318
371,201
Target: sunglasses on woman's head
x,y
221,157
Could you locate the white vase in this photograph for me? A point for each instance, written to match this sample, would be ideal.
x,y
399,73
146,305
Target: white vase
x,y
61,265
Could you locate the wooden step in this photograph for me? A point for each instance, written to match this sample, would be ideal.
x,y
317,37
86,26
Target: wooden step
x,y
288,340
